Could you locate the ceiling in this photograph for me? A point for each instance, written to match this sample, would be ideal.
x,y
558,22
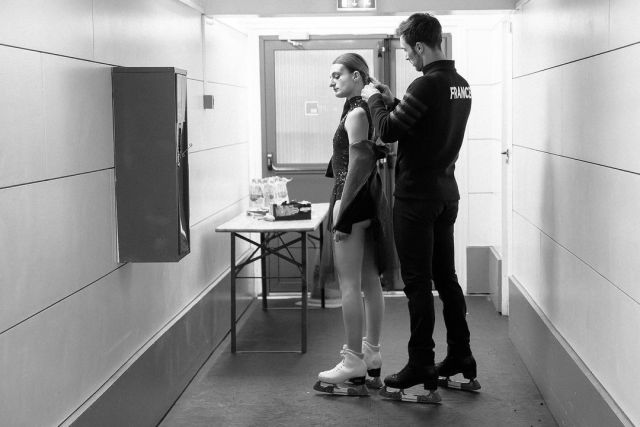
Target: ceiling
x,y
273,8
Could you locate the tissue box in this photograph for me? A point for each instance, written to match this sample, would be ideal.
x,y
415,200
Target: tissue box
x,y
292,211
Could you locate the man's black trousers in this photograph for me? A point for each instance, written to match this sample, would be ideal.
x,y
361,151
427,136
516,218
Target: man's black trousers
x,y
423,231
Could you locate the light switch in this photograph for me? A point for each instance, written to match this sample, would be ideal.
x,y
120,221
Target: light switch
x,y
208,102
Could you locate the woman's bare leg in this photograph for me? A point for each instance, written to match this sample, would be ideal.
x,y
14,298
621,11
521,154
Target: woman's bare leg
x,y
373,298
348,258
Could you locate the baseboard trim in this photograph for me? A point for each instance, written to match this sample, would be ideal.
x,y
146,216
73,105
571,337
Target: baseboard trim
x,y
147,386
573,394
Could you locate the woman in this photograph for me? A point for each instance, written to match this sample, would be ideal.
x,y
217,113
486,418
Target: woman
x,y
359,235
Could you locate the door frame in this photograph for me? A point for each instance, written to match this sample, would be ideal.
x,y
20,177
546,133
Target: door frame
x,y
317,42
507,165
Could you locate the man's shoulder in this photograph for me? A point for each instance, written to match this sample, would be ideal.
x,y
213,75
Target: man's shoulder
x,y
421,84
436,80
426,85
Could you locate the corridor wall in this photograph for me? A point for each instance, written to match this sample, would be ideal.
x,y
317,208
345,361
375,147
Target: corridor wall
x,y
73,321
575,205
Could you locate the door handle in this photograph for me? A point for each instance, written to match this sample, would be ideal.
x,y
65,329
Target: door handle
x,y
273,168
506,153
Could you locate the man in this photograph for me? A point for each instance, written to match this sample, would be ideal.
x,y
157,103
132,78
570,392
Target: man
x,y
429,125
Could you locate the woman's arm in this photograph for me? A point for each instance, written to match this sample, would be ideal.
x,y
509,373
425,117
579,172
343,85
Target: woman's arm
x,y
357,125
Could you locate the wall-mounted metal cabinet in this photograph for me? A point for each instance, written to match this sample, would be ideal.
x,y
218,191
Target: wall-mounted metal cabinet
x,y
151,163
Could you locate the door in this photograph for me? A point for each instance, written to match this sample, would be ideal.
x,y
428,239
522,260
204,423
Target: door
x,y
300,112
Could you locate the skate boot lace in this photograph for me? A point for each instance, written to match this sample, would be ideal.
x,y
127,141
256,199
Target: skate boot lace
x,y
343,355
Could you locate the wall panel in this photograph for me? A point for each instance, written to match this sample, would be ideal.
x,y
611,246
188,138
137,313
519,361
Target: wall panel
x,y
63,27
21,119
600,104
196,114
531,179
576,299
227,122
623,28
551,32
537,111
527,262
579,205
59,121
78,116
61,236
148,33
225,55
218,178
570,111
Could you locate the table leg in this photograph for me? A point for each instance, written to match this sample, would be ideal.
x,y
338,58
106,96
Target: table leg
x,y
322,294
263,271
304,293
233,292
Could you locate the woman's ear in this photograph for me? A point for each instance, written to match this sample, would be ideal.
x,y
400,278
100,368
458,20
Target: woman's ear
x,y
356,75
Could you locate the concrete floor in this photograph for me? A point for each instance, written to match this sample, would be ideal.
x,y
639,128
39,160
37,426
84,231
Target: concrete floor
x,y
275,389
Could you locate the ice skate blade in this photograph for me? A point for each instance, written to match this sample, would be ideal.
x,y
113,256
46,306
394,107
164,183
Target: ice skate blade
x,y
374,382
399,394
472,385
341,389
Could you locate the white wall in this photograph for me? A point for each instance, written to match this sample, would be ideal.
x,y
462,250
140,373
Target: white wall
x,y
70,315
576,180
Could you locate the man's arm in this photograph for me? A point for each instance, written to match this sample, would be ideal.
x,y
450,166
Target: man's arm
x,y
396,122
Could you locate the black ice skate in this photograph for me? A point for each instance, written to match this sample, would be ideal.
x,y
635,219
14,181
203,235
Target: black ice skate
x,y
451,366
408,377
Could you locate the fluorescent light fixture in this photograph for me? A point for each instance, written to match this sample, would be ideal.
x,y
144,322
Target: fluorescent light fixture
x,y
293,36
356,5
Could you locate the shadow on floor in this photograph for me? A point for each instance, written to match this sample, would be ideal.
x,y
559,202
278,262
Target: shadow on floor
x,y
275,389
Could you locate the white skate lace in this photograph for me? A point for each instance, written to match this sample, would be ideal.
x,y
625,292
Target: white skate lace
x,y
343,354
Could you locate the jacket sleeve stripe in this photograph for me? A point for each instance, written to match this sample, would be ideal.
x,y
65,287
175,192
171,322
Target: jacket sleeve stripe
x,y
393,117
408,111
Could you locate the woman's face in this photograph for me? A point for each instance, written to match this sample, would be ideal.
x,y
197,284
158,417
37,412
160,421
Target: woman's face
x,y
343,82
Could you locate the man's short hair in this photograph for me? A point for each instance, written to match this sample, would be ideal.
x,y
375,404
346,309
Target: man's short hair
x,y
421,27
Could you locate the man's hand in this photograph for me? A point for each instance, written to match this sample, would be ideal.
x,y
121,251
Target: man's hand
x,y
387,96
368,91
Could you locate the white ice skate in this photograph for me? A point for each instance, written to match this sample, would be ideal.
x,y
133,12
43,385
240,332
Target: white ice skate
x,y
373,359
347,378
